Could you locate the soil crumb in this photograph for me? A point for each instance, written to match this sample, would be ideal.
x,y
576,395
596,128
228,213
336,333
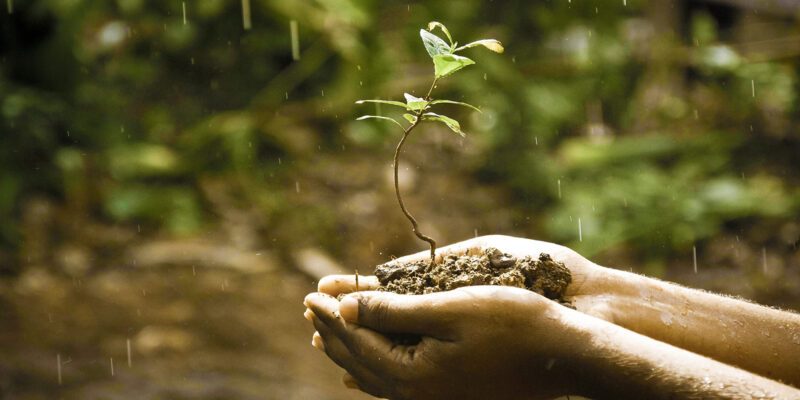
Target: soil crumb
x,y
493,267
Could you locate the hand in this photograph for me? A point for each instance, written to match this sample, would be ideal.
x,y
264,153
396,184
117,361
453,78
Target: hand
x,y
475,342
582,294
587,292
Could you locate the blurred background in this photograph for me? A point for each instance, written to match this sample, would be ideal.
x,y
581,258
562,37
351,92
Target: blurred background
x,y
174,176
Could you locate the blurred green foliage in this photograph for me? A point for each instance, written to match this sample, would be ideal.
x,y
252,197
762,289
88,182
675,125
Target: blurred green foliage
x,y
652,138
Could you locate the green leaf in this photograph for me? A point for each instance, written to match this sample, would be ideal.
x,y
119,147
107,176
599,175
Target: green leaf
x,y
434,44
455,102
451,123
490,44
435,24
393,103
446,64
379,117
415,103
410,118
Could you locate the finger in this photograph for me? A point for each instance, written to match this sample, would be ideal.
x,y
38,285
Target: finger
x,y
370,348
326,309
350,382
429,315
335,285
317,342
340,354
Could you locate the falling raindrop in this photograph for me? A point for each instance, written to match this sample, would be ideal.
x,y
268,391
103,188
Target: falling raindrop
x,y
295,40
10,5
559,188
246,21
58,367
476,232
112,365
764,258
696,114
694,258
753,86
286,95
128,344
297,186
580,231
536,140
484,76
625,3
323,92
183,4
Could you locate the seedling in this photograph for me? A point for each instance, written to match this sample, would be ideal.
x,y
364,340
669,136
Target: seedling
x,y
445,62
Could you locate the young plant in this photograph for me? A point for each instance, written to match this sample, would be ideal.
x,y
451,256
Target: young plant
x,y
418,109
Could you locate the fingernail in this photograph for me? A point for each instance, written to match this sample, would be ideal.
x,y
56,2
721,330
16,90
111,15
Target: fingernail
x,y
348,308
317,342
309,315
305,301
350,382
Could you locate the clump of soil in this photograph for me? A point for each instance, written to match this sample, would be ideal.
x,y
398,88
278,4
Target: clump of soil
x,y
493,267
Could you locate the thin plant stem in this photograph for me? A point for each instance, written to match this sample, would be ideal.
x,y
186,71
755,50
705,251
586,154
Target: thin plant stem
x,y
414,224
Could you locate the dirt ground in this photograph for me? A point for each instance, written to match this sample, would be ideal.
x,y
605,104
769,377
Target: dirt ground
x,y
193,334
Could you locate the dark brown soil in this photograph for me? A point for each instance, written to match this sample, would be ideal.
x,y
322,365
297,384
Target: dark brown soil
x,y
543,275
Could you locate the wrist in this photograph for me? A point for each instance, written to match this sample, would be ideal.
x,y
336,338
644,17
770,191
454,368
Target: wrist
x,y
559,340
576,361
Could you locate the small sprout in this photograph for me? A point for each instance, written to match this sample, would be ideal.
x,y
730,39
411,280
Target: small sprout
x,y
379,117
410,118
435,24
490,44
445,63
451,123
434,102
415,103
434,44
389,102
